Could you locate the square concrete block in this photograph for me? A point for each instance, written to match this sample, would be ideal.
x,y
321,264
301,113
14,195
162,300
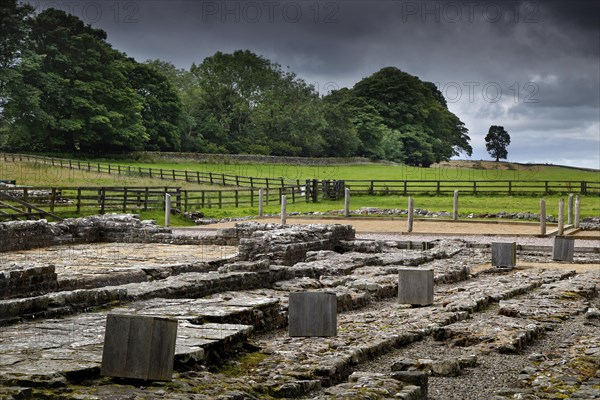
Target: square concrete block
x,y
504,254
139,347
415,286
563,249
312,314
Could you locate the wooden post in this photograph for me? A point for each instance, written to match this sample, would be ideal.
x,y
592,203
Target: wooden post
x,y
236,198
542,217
577,211
139,347
146,199
161,173
220,199
52,199
455,206
474,187
102,200
78,200
167,209
283,210
561,217
124,199
185,200
261,199
405,187
410,214
570,209
174,175
347,202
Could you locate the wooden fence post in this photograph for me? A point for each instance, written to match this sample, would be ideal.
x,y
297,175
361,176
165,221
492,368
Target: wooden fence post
x,y
455,206
78,200
102,200
542,217
146,190
52,199
570,209
283,210
125,199
577,211
410,214
347,202
561,217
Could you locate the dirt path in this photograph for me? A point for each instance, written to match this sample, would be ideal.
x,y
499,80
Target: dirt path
x,y
419,226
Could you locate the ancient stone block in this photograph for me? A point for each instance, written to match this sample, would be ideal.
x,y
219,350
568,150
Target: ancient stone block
x,y
504,254
563,248
139,347
312,314
415,286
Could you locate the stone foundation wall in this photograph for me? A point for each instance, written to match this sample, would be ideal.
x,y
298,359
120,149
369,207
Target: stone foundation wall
x,y
18,280
289,244
23,235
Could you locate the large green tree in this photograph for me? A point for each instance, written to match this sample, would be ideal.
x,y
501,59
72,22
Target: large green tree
x,y
78,91
429,132
248,104
496,142
161,107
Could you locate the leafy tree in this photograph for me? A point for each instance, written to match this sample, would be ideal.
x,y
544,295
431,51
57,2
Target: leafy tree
x,y
188,93
161,107
13,34
496,142
418,111
365,120
245,103
77,89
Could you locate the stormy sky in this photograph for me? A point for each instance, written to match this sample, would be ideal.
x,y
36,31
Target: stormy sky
x,y
530,66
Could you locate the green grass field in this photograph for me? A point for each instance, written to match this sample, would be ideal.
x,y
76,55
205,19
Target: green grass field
x,y
45,176
380,171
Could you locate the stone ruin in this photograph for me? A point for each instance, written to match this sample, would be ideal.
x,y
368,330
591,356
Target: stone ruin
x,y
232,313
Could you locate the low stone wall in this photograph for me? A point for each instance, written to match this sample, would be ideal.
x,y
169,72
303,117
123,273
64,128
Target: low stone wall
x,y
253,158
289,244
18,280
23,235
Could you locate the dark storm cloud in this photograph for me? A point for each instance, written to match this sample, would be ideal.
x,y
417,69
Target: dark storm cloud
x,y
532,66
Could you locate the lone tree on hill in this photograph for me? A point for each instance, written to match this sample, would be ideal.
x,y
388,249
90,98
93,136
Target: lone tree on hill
x,y
496,142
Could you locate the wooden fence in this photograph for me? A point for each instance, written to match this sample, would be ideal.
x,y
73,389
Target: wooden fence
x,y
20,201
502,187
313,187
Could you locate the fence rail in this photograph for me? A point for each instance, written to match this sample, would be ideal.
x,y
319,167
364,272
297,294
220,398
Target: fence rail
x,y
366,187
505,187
20,201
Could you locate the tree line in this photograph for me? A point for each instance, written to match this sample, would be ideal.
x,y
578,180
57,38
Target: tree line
x,y
63,88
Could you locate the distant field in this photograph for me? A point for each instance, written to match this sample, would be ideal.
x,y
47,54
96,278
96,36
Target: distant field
x,y
446,171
